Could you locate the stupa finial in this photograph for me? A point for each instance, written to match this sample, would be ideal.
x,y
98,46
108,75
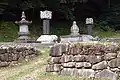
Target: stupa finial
x,y
23,15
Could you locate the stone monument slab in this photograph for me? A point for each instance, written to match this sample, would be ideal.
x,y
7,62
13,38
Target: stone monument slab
x,y
89,23
46,16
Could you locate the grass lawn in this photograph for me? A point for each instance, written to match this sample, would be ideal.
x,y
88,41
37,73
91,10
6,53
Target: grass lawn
x,y
34,69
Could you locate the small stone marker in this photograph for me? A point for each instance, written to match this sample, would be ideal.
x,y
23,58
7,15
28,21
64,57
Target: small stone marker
x,y
89,23
23,27
106,74
46,16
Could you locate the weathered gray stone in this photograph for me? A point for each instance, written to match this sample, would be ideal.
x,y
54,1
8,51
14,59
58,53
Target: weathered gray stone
x,y
3,51
98,53
87,65
4,64
53,68
21,56
79,58
74,50
86,61
84,72
15,52
54,60
21,49
113,63
64,47
118,54
94,59
115,69
10,57
26,52
30,52
85,51
69,65
81,52
83,64
100,66
106,74
57,50
79,64
4,57
66,58
57,67
112,48
118,62
110,56
67,71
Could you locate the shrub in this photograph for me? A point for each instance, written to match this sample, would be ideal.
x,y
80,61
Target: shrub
x,y
8,31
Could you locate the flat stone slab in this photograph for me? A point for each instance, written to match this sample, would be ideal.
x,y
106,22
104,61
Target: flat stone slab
x,y
25,40
106,74
47,39
35,45
77,38
84,72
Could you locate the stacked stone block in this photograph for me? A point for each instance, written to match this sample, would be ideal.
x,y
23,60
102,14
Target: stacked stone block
x,y
84,60
11,54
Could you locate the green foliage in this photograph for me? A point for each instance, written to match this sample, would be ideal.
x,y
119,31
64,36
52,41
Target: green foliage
x,y
10,5
103,27
61,28
8,31
104,31
111,17
67,13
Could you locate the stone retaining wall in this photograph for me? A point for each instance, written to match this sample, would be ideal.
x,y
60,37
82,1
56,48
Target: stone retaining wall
x,y
85,60
10,54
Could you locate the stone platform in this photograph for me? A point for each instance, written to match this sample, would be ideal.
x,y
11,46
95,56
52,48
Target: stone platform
x,y
78,38
34,45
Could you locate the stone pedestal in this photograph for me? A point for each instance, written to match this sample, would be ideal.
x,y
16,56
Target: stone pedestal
x,y
47,39
89,29
46,26
23,32
89,23
79,38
